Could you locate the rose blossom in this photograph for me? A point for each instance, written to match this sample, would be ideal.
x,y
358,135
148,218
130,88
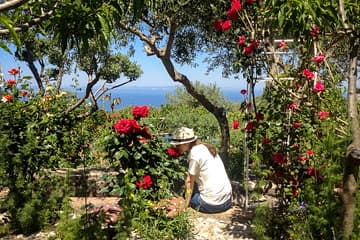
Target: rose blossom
x,y
314,31
308,74
172,152
292,106
279,158
24,93
235,124
323,114
259,116
296,125
302,158
319,87
145,183
125,126
11,82
241,40
233,11
140,111
222,25
13,71
7,98
250,126
310,152
282,45
265,140
243,91
319,58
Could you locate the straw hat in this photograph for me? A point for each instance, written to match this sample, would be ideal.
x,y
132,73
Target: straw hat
x,y
183,135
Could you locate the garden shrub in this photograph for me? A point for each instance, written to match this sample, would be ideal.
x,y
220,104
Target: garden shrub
x,y
36,135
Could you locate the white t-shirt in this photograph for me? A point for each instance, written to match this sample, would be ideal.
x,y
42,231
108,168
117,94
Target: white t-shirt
x,y
210,175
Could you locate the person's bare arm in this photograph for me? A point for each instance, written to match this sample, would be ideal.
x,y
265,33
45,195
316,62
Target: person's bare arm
x,y
189,186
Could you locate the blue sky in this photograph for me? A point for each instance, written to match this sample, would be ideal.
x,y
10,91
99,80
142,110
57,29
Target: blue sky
x,y
154,73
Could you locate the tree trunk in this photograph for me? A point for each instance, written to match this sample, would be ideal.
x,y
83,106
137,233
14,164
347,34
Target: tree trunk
x,y
218,112
350,178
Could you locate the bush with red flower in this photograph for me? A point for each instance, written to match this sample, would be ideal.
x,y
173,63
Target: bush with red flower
x,y
148,168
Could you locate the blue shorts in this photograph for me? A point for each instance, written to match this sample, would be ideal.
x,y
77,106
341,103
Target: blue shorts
x,y
198,204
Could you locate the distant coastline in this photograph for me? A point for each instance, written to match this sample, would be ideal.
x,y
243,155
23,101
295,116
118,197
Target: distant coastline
x,y
151,96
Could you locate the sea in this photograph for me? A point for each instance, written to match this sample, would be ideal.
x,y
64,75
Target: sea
x,y
151,96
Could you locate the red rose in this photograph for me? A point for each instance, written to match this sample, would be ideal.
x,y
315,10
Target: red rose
x,y
297,125
308,74
250,126
233,11
259,116
243,91
145,183
24,93
241,41
13,71
302,158
172,152
265,140
319,58
323,114
222,25
292,106
283,45
11,82
7,98
248,49
319,87
279,158
140,111
125,126
310,152
314,31
235,124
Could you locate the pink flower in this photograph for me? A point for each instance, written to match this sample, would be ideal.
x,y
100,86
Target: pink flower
x,y
145,183
7,98
292,106
24,93
308,74
235,124
310,152
233,11
323,114
140,111
222,25
319,87
319,58
243,91
279,158
283,45
241,40
11,82
302,158
265,140
296,125
13,71
314,31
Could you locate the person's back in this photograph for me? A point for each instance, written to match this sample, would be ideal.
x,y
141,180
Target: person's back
x,y
211,178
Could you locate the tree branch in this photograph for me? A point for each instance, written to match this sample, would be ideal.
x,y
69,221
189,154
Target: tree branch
x,y
6,6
